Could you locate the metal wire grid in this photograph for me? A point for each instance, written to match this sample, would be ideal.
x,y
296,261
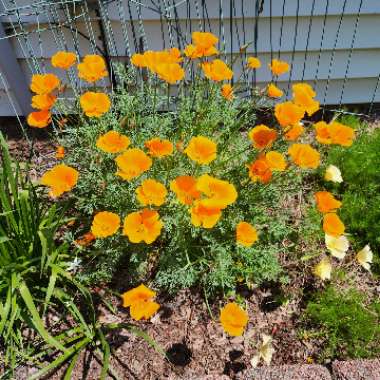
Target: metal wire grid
x,y
89,27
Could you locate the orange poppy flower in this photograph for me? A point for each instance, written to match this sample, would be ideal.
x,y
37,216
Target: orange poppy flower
x,y
44,83
341,134
246,234
254,63
323,132
274,92
86,239
204,40
170,72
151,192
154,59
217,70
92,68
60,153
288,114
294,132
43,102
262,136
159,147
219,193
304,156
227,92
40,119
278,67
95,104
105,224
303,96
326,202
139,301
204,215
332,225
185,189
60,178
63,60
201,150
132,163
193,52
233,319
144,225
113,142
138,60
260,171
276,161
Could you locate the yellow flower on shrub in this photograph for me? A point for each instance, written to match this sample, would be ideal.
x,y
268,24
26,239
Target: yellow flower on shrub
x,y
259,170
217,70
113,142
60,178
63,60
333,174
219,193
185,188
92,68
105,224
227,92
253,63
140,302
204,215
262,136
170,72
246,234
144,225
304,156
43,102
323,269
326,202
233,319
338,246
294,132
151,192
365,257
39,119
278,67
132,163
274,92
95,104
201,150
276,161
332,225
288,114
159,147
303,96
44,83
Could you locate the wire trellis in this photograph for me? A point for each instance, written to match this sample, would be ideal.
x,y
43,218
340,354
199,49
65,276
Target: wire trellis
x,y
321,39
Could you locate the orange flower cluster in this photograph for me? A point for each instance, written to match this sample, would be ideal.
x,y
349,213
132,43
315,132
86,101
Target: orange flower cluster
x,y
105,224
274,92
203,45
113,142
334,133
159,147
262,168
304,156
63,60
253,63
217,70
278,67
140,302
246,234
262,136
95,104
42,85
132,163
166,64
303,96
227,92
201,150
92,68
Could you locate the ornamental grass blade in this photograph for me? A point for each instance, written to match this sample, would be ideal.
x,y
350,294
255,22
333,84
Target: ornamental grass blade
x,y
37,321
106,355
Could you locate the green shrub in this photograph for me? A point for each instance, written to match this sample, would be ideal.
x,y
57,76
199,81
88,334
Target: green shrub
x,y
349,324
360,190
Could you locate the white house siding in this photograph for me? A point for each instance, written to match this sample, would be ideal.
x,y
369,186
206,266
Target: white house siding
x,y
343,67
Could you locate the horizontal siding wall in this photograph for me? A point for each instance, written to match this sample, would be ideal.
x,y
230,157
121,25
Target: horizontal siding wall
x,y
344,67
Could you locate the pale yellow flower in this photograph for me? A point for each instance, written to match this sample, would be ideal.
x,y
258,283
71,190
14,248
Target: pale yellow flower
x,y
365,257
338,246
265,352
333,174
323,269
